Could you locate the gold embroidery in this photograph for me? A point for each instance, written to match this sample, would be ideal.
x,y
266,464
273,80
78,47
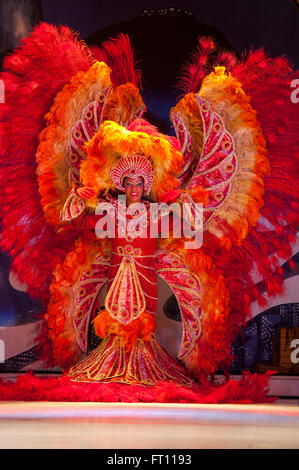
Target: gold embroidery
x,y
89,114
129,238
120,250
128,250
226,161
102,97
175,263
219,196
217,126
88,273
77,134
125,292
182,270
186,289
72,208
146,364
190,309
82,292
103,363
189,147
141,366
226,145
229,168
190,281
143,266
73,157
144,277
150,297
177,372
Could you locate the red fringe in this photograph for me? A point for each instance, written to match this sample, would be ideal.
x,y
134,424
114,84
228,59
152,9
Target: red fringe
x,y
252,388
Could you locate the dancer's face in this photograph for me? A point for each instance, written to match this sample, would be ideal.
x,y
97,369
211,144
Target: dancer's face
x,y
133,189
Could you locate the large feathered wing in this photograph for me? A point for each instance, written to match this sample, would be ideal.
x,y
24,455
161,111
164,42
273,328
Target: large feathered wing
x,y
32,76
238,131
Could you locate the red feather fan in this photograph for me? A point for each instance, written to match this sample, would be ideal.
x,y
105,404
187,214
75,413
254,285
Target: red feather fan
x,y
33,75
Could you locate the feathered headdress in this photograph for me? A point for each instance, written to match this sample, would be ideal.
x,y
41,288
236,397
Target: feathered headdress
x,y
133,167
114,147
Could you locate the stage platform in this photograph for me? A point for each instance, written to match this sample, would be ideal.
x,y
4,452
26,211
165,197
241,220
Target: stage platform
x,y
57,425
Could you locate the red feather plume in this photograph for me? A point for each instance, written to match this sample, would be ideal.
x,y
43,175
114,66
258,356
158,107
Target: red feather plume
x,y
33,75
206,56
118,54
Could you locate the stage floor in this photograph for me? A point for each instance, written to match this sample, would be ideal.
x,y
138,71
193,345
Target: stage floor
x,y
57,425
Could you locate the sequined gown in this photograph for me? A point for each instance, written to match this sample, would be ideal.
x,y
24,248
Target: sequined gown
x,y
129,351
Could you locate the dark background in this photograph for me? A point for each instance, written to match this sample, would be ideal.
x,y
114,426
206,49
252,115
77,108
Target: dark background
x,y
162,42
270,23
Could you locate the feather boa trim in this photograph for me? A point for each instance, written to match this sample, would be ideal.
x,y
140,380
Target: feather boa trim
x,y
142,327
